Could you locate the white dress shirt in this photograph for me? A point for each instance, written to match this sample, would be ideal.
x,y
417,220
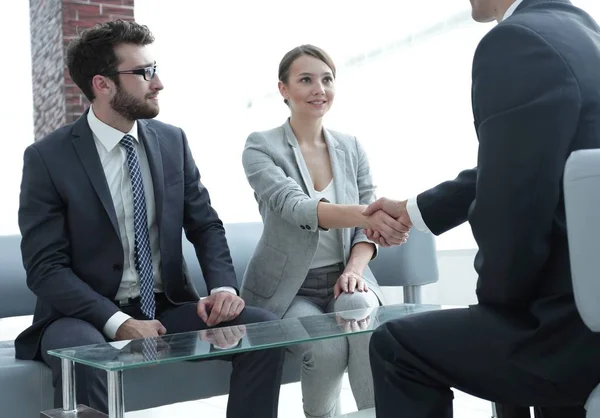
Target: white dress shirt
x,y
114,163
411,206
512,9
113,157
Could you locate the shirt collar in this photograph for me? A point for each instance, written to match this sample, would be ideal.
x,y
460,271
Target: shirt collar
x,y
512,9
108,136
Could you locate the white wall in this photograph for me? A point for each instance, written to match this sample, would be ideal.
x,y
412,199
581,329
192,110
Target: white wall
x,y
410,107
16,108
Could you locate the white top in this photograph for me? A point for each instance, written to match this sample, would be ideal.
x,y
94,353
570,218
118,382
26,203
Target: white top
x,y
329,249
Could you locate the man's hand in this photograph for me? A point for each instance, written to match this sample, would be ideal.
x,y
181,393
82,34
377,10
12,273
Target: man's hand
x,y
225,337
394,208
132,329
220,307
348,281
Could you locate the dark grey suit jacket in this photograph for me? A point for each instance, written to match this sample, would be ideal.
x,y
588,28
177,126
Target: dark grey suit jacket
x,y
536,98
71,247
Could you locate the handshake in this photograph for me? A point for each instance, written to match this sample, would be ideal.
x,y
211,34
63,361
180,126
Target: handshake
x,y
387,222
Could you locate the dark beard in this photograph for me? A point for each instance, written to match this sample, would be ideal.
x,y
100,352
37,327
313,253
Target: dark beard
x,y
131,108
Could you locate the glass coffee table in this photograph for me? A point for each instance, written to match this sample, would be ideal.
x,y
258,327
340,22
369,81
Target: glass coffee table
x,y
116,357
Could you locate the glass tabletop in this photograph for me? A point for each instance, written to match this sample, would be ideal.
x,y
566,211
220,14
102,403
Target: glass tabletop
x,y
215,342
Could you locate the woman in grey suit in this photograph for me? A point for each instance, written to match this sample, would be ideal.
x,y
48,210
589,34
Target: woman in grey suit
x,y
312,185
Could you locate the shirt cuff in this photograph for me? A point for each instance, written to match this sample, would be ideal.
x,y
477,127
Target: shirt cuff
x,y
119,345
415,215
223,289
114,322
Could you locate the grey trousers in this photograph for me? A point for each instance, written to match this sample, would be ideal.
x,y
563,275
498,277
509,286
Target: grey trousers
x,y
324,362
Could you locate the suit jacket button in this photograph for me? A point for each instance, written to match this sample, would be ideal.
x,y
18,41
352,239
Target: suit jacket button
x,y
302,226
307,226
117,267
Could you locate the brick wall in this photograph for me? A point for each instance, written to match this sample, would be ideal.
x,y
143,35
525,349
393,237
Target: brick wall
x,y
54,23
47,66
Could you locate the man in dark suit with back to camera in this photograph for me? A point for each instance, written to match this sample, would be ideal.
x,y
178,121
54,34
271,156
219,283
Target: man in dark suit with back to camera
x,y
536,98
103,205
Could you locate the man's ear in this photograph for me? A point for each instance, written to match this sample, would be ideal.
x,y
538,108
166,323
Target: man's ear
x,y
102,85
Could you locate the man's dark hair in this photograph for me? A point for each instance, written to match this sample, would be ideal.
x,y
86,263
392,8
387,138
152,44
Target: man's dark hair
x,y
93,51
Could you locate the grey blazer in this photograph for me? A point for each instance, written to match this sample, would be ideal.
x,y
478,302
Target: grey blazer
x,y
276,170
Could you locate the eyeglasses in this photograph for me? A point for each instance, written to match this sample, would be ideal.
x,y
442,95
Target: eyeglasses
x,y
148,72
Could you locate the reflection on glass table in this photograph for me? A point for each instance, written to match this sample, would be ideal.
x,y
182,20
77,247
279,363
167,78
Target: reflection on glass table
x,y
114,357
215,342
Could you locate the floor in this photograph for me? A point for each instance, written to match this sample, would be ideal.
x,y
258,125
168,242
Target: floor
x,y
290,406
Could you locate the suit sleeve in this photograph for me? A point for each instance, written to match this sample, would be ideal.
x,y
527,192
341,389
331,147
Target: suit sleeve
x,y
366,192
447,205
204,229
46,250
282,194
526,103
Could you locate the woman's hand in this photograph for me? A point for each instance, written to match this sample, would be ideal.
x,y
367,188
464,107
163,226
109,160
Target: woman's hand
x,y
349,281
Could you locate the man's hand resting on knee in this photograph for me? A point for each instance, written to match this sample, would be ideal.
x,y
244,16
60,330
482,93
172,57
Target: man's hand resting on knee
x,y
132,329
220,307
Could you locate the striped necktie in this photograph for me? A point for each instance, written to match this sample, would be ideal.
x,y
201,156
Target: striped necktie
x,y
143,255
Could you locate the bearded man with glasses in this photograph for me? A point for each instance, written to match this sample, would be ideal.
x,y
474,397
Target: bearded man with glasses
x,y
103,205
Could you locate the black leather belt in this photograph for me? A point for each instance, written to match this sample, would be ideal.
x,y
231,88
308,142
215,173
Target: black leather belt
x,y
127,302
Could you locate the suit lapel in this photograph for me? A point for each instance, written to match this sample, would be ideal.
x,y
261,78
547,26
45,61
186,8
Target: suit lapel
x,y
83,142
337,156
149,138
293,141
338,166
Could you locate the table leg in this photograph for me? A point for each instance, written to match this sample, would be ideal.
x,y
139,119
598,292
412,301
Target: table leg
x,y
68,386
116,401
70,408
